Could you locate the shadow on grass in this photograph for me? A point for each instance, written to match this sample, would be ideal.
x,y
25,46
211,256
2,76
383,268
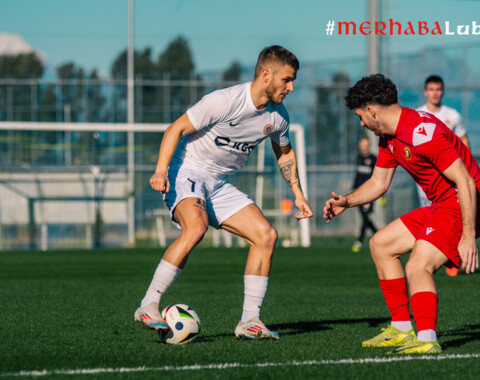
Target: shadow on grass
x,y
310,326
295,328
461,336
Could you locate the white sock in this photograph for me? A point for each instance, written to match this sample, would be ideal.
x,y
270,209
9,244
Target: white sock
x,y
164,276
427,336
402,325
255,289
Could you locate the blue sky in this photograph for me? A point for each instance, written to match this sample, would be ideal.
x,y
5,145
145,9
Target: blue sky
x,y
91,33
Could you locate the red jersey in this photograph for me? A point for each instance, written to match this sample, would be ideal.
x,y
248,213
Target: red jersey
x,y
425,147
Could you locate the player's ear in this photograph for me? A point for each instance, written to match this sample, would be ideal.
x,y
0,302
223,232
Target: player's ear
x,y
372,112
266,74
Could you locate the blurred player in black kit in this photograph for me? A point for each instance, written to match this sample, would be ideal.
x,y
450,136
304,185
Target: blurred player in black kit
x,y
365,164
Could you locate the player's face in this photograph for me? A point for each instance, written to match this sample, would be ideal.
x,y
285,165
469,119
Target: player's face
x,y
280,83
433,93
368,121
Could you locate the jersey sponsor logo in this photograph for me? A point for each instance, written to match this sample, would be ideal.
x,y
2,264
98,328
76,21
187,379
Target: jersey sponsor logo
x,y
429,230
239,146
423,133
408,153
267,129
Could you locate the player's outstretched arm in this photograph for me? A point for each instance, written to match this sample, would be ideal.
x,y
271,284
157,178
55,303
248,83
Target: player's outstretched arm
x,y
181,127
287,162
334,206
466,190
370,191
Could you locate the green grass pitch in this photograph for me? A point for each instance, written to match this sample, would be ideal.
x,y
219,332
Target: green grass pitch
x,y
73,311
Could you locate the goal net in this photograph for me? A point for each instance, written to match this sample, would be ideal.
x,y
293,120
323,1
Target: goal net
x,y
77,185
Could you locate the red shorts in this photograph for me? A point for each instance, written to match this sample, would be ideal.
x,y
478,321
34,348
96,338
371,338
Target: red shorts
x,y
441,226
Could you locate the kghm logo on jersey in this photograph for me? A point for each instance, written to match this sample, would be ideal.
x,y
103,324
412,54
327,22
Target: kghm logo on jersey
x,y
239,146
267,129
408,153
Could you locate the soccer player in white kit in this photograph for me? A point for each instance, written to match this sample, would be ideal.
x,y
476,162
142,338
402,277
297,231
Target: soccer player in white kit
x,y
433,92
210,141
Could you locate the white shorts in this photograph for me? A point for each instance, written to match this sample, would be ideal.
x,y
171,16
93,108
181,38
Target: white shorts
x,y
222,199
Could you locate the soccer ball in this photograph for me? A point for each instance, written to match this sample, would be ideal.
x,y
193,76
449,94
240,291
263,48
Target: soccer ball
x,y
183,324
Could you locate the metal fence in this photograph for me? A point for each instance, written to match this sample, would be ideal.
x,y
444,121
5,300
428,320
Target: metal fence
x,y
332,130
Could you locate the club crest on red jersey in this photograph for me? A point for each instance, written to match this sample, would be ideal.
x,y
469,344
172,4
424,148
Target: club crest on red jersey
x,y
408,153
423,133
267,129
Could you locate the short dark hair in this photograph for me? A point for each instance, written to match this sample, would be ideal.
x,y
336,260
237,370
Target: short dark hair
x,y
372,89
434,79
276,53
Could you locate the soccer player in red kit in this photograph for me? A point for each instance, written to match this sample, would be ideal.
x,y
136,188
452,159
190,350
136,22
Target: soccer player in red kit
x,y
441,234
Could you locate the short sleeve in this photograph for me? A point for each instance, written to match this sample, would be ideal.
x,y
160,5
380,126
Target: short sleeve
x,y
385,158
211,109
282,135
458,127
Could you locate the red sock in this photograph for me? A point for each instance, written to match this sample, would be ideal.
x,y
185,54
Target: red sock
x,y
396,295
424,308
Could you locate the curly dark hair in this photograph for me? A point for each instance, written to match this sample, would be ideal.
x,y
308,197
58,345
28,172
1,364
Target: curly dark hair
x,y
373,89
276,53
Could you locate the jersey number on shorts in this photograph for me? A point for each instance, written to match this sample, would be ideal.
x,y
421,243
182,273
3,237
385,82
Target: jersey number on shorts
x,y
193,184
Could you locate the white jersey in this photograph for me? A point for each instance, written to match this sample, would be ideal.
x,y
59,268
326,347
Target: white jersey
x,y
228,127
450,117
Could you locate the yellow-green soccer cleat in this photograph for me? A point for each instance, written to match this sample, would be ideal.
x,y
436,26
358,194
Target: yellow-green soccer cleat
x,y
390,336
417,347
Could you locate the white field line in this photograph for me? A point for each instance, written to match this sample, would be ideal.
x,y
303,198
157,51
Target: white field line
x,y
196,367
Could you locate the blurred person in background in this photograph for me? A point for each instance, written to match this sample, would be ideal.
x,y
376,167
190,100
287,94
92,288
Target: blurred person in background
x,y
433,91
365,164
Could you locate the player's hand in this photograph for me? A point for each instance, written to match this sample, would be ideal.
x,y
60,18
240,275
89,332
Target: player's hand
x,y
304,208
159,182
334,206
467,248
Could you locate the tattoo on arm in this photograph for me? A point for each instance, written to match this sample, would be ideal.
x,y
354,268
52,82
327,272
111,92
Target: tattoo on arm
x,y
291,176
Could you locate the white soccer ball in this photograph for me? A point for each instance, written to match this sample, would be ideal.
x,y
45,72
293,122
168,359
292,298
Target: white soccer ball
x,y
183,324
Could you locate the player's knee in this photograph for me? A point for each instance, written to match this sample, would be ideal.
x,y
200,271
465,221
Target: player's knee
x,y
267,237
378,246
374,244
412,268
417,266
195,234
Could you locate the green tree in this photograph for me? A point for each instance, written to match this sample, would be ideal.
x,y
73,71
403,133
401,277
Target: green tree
x,y
176,64
335,132
71,91
146,94
233,72
177,60
17,103
21,66
47,104
143,65
96,100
